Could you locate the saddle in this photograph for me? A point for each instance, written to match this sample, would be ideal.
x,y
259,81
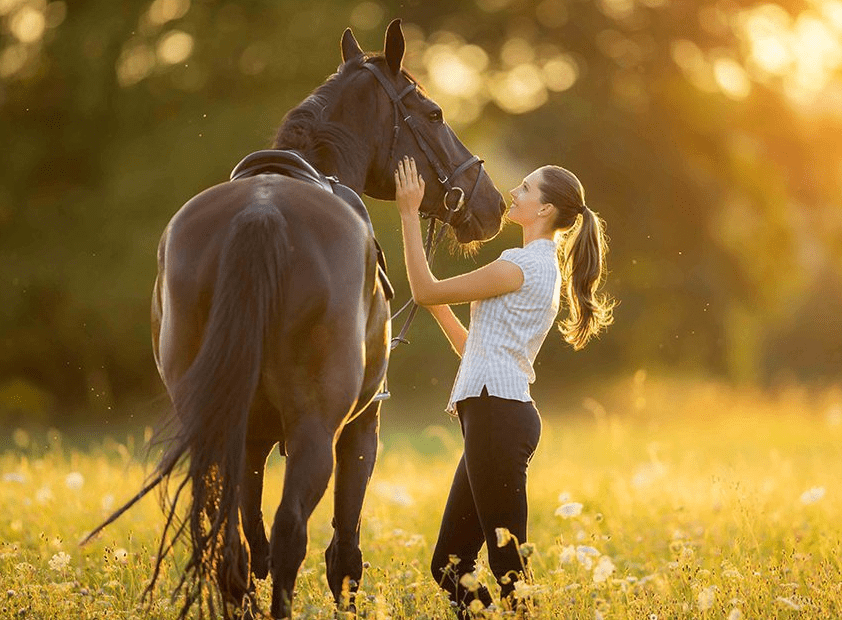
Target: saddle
x,y
293,165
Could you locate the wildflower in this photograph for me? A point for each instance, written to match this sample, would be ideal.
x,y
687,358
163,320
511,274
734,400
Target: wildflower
x,y
469,581
811,496
74,481
504,536
43,495
59,561
416,540
14,477
735,614
706,598
526,550
395,493
525,590
788,603
603,570
568,554
107,502
583,554
568,510
564,497
476,606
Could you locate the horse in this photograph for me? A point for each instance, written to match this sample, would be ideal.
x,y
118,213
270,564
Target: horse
x,y
270,326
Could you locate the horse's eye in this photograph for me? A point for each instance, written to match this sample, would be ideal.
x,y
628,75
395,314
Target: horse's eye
x,y
435,116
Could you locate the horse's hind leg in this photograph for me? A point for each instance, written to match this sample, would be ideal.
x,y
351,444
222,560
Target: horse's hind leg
x,y
259,442
356,451
252,512
308,470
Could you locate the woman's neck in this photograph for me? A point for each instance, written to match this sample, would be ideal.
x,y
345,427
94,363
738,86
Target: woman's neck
x,y
531,234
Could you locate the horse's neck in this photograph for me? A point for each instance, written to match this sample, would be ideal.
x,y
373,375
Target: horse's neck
x,y
350,177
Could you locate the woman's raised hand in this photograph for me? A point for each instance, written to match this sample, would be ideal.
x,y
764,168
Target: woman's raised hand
x,y
409,188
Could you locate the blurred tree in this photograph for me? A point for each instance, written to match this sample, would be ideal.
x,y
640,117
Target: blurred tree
x,y
707,134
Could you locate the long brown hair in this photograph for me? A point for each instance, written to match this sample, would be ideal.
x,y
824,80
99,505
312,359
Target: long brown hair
x,y
581,257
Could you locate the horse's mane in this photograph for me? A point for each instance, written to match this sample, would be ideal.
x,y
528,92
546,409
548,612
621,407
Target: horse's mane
x,y
306,129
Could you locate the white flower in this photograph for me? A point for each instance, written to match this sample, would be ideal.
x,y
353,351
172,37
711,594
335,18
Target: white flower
x,y
416,540
568,554
59,561
395,493
568,510
811,496
469,581
603,570
43,495
563,497
788,603
14,477
585,556
526,590
74,480
503,536
706,598
735,614
107,502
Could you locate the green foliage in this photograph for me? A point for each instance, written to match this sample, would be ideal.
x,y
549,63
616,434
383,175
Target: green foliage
x,y
722,204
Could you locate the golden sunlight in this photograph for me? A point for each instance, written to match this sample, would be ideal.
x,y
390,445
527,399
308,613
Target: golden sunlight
x,y
731,78
163,11
28,24
175,47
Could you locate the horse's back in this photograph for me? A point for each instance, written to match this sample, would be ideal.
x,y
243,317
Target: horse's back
x,y
329,307
325,240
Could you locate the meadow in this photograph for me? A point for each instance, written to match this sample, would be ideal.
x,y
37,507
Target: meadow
x,y
660,499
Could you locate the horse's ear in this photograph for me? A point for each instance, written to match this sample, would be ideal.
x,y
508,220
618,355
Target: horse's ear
x,y
395,46
350,48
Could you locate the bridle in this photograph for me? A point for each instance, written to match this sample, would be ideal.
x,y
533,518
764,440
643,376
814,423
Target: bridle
x,y
400,112
452,214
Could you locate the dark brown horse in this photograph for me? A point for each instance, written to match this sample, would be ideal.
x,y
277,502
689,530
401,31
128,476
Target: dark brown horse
x,y
270,326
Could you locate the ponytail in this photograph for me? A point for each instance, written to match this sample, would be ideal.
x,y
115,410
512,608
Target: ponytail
x,y
583,271
581,257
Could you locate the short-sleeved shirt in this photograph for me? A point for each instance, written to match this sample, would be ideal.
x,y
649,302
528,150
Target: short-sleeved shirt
x,y
507,331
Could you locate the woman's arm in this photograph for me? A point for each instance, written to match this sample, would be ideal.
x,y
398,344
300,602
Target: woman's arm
x,y
451,326
494,279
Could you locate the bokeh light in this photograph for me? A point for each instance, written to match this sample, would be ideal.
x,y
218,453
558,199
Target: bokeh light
x,y
174,47
367,15
28,24
163,11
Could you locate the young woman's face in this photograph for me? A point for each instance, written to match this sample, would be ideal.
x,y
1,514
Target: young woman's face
x,y
526,200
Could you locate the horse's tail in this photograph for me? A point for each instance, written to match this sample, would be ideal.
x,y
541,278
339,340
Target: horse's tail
x,y
212,403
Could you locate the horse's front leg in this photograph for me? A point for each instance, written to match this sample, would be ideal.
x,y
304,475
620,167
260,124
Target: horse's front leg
x,y
356,452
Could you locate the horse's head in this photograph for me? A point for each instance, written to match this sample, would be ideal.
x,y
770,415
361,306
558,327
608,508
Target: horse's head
x,y
396,118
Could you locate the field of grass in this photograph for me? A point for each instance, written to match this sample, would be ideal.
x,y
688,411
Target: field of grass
x,y
655,500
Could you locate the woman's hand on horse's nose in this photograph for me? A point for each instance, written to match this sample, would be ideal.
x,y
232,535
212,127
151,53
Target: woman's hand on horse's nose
x,y
409,187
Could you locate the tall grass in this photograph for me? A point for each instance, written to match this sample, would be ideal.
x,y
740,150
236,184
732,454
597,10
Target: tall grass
x,y
660,499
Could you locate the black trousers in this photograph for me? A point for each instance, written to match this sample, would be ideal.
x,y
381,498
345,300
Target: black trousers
x,y
488,492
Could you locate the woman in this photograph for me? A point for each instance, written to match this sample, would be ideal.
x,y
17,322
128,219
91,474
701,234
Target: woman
x,y
517,299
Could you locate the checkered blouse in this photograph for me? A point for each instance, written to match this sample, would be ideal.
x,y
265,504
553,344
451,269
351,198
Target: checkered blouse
x,y
507,331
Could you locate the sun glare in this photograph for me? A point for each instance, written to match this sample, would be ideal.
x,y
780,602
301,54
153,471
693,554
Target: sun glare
x,y
803,52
